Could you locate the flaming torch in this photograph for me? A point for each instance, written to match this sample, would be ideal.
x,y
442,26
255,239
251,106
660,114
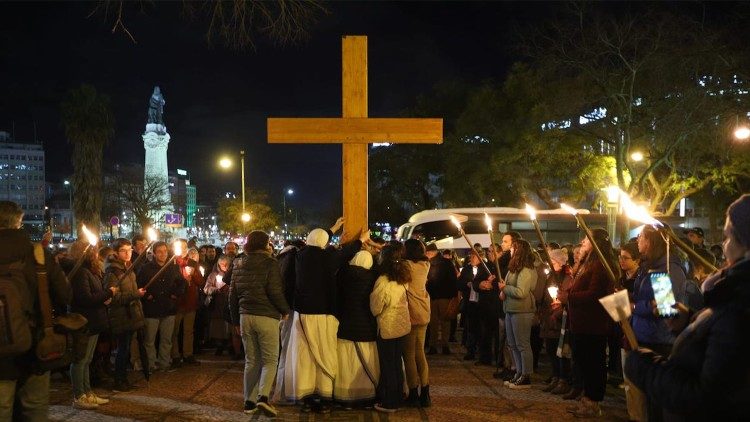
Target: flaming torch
x,y
488,221
177,253
640,214
93,240
151,239
532,215
461,230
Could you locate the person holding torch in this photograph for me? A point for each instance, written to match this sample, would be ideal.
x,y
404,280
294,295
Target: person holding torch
x,y
187,306
707,374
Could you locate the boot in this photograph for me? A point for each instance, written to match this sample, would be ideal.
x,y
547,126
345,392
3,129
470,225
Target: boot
x,y
551,385
562,387
573,394
424,397
413,399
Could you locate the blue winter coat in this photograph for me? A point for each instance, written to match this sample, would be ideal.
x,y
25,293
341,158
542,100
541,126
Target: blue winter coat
x,y
707,376
649,328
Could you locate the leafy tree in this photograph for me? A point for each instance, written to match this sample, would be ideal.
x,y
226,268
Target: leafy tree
x,y
659,83
89,125
230,213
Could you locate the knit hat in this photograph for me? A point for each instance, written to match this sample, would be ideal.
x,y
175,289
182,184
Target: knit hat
x,y
318,237
362,259
739,215
559,256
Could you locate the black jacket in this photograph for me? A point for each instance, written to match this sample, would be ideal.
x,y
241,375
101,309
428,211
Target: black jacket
x,y
356,322
441,280
707,376
162,295
489,300
256,287
288,274
89,296
315,288
16,246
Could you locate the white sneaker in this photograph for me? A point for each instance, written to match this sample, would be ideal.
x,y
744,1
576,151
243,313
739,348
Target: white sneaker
x,y
96,399
83,402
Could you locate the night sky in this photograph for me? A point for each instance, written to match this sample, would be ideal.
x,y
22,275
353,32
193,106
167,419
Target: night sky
x,y
217,99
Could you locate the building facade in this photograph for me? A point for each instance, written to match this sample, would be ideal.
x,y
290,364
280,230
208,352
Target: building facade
x,y
22,177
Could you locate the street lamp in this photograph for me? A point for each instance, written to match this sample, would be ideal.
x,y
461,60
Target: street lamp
x,y
226,162
636,156
70,205
286,192
742,133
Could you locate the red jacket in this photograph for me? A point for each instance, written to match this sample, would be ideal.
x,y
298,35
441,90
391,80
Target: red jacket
x,y
586,314
189,301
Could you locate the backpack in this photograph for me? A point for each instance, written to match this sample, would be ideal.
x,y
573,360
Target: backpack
x,y
15,315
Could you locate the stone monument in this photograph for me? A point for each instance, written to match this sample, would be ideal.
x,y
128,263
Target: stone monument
x,y
156,142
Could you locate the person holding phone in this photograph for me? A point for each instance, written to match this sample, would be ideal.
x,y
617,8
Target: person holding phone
x,y
706,375
652,329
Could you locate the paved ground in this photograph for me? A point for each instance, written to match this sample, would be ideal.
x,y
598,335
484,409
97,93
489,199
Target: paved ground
x,y
213,392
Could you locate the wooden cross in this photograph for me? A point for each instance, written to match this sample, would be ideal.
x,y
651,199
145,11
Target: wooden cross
x,y
355,131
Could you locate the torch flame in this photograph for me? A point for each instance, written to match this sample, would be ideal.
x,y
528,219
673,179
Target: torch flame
x,y
488,221
455,221
90,236
152,234
637,212
177,248
532,211
569,209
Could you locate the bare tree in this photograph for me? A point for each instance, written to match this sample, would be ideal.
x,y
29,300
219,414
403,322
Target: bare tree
x,y
236,22
144,200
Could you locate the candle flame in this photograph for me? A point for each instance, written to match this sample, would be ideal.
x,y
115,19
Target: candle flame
x,y
202,270
569,209
152,234
455,221
177,248
532,211
90,236
488,221
552,292
637,212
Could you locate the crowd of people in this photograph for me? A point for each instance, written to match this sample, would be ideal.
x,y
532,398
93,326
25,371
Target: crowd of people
x,y
352,325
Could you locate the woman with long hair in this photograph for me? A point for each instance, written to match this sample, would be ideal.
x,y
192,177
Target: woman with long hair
x,y
90,299
589,322
388,304
519,306
415,361
216,292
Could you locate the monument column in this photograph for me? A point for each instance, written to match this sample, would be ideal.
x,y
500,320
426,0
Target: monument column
x,y
156,142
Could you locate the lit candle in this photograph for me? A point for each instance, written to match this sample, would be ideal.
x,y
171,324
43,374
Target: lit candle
x,y
553,292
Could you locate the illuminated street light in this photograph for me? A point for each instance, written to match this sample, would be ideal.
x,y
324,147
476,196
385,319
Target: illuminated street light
x,y
225,163
245,217
742,133
288,192
636,156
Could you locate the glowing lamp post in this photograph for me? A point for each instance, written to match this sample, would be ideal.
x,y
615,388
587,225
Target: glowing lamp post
x,y
227,163
742,133
455,222
93,240
286,192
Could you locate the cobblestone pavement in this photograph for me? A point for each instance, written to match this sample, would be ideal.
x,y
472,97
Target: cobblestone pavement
x,y
213,392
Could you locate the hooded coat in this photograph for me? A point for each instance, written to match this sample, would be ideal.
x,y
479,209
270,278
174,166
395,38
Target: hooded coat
x,y
356,322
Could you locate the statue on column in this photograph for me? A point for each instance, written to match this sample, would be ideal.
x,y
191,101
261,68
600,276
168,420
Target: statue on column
x,y
156,107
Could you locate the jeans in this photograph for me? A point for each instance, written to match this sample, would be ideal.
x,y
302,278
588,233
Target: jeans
x,y
590,352
187,319
25,399
391,383
260,336
518,330
417,371
79,371
165,327
440,325
123,355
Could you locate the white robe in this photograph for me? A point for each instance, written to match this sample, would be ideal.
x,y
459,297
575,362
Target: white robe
x,y
355,383
311,361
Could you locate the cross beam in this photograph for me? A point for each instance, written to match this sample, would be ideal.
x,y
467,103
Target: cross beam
x,y
354,130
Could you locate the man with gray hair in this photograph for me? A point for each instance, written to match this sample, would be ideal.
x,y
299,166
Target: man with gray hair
x,y
24,389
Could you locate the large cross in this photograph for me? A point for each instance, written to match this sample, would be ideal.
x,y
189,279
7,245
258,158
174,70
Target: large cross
x,y
354,130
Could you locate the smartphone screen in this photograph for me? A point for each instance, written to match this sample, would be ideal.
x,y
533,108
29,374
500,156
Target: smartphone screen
x,y
663,294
